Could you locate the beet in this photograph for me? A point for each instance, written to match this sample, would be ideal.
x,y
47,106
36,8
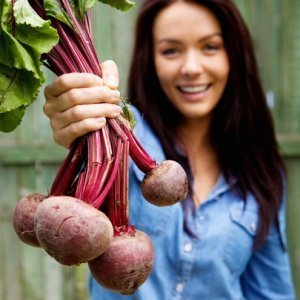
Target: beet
x,y
23,218
72,231
165,184
126,264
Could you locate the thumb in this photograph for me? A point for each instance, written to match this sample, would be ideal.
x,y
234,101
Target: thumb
x,y
110,74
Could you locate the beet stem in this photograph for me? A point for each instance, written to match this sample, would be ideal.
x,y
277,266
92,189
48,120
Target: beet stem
x,y
118,194
139,155
69,169
112,177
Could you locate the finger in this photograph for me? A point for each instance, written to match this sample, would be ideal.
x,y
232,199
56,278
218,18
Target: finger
x,y
110,74
81,96
81,112
70,81
100,94
67,135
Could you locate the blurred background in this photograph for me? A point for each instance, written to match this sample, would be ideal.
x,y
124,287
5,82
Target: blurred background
x,y
29,159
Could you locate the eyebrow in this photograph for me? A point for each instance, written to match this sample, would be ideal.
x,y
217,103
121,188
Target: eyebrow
x,y
170,40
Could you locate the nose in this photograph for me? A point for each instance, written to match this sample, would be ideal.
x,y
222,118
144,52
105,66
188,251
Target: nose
x,y
192,64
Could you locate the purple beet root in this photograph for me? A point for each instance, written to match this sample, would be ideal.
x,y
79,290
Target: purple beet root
x,y
126,264
166,184
72,231
23,218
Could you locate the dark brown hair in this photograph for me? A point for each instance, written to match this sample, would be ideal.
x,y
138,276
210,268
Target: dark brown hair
x,y
242,130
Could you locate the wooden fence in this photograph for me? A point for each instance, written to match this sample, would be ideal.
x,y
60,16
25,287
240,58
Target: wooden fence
x,y
29,159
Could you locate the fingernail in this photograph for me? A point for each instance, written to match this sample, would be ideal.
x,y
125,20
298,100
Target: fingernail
x,y
101,120
111,80
115,94
98,80
117,109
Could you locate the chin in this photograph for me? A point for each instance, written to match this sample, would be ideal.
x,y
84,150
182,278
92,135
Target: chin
x,y
192,113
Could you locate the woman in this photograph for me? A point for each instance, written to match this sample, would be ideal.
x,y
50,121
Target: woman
x,y
195,84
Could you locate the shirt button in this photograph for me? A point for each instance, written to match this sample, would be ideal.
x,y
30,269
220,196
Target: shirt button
x,y
202,219
179,287
253,227
188,247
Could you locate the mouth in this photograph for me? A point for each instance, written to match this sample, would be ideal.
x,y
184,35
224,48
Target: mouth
x,y
195,89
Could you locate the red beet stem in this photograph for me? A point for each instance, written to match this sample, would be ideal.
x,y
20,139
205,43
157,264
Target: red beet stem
x,y
84,37
94,164
69,169
118,195
136,151
97,203
103,169
118,130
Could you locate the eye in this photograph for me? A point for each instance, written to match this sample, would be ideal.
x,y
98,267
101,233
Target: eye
x,y
211,47
170,52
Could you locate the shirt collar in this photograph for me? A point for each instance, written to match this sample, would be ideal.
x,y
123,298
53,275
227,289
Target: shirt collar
x,y
222,185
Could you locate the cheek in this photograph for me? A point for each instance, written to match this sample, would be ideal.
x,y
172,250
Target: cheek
x,y
224,71
221,77
164,78
161,72
165,71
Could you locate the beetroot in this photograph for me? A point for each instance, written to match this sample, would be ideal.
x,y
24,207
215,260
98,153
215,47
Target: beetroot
x,y
72,231
165,184
23,218
126,264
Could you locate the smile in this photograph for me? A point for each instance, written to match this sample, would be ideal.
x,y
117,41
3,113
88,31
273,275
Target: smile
x,y
194,89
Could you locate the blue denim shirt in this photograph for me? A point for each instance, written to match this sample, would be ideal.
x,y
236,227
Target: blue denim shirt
x,y
205,253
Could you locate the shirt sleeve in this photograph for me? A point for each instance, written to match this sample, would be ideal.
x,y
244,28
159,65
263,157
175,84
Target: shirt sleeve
x,y
268,274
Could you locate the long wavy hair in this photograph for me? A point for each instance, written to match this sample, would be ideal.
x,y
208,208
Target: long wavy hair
x,y
242,130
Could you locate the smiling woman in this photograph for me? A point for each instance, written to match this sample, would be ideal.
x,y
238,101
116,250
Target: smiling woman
x,y
198,100
192,68
192,65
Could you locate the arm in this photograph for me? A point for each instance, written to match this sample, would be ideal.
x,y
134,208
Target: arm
x,y
268,274
78,103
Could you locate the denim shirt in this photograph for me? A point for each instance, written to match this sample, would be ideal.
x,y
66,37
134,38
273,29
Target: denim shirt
x,y
205,253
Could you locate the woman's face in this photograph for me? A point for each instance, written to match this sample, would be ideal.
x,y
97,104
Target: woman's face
x,y
190,59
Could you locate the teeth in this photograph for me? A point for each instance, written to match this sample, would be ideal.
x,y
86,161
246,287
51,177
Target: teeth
x,y
194,89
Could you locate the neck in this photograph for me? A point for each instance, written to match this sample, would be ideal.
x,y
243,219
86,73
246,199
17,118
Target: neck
x,y
194,136
195,140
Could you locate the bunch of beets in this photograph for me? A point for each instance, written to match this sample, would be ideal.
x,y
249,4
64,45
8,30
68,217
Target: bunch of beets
x,y
84,218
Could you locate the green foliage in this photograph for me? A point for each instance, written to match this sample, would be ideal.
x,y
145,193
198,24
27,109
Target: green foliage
x,y
24,37
127,113
53,9
119,4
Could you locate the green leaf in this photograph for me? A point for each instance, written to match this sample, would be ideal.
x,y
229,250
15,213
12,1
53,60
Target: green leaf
x,y
20,81
32,30
123,5
127,113
17,88
13,54
6,12
53,9
20,66
10,120
84,5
